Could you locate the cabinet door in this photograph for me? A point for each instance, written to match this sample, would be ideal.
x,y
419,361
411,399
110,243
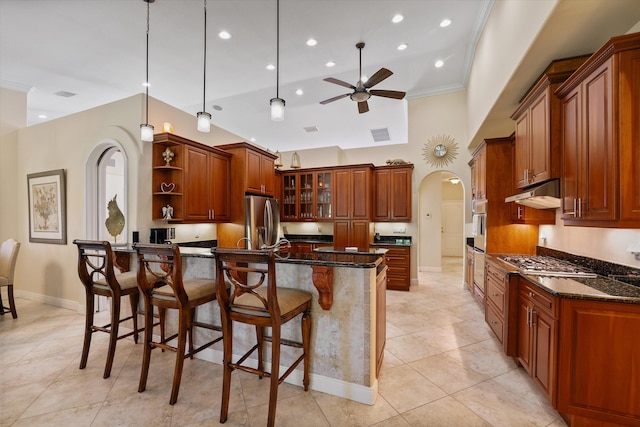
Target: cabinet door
x,y
571,136
196,194
481,171
254,172
289,202
268,175
629,120
342,194
401,194
522,149
600,199
341,231
324,183
361,193
219,187
360,234
544,332
382,201
524,334
306,210
540,159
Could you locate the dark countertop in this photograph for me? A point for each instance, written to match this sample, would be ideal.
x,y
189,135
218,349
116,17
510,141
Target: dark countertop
x,y
393,241
600,288
309,238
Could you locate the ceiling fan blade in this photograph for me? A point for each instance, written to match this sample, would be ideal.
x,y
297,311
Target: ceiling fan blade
x,y
363,107
379,76
339,82
335,98
388,93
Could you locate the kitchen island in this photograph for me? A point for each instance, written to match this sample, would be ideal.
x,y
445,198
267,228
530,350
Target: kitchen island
x,y
347,338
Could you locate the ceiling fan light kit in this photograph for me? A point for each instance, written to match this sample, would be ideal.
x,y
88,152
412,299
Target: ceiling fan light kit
x,y
361,92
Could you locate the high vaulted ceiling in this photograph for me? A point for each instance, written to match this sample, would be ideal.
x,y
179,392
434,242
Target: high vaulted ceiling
x,y
95,49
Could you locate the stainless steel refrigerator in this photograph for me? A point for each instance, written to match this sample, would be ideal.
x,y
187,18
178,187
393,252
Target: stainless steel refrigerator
x,y
262,222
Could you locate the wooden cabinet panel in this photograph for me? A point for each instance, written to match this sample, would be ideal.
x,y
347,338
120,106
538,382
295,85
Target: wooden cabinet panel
x,y
398,259
196,180
342,194
572,134
468,272
219,187
306,195
538,336
598,362
629,93
523,150
539,154
352,233
341,233
392,193
361,193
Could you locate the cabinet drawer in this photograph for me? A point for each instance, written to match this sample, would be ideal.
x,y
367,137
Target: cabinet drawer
x,y
543,300
495,322
496,274
496,295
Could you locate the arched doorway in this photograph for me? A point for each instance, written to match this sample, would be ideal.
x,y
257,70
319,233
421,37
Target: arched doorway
x,y
441,223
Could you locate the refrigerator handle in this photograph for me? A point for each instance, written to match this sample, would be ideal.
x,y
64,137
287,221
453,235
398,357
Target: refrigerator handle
x,y
268,222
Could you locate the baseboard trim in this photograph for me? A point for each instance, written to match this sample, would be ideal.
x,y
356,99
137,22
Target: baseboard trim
x,y
46,299
431,269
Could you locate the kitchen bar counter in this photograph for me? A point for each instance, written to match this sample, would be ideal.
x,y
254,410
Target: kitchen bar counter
x,y
600,288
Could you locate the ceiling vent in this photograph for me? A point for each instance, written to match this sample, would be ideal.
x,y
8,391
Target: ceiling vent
x,y
380,135
311,129
65,94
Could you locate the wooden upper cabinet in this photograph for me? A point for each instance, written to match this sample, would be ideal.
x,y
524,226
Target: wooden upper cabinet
x,y
352,193
199,190
538,131
255,165
478,166
600,134
392,193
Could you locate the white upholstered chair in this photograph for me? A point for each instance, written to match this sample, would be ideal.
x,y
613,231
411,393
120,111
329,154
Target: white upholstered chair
x,y
8,256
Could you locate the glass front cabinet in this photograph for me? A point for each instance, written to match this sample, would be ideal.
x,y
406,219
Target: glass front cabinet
x,y
306,196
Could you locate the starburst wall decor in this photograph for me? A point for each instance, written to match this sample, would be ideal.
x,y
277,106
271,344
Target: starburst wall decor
x,y
440,150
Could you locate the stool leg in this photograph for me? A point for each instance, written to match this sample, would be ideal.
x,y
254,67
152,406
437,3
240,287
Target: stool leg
x,y
1,305
183,329
275,374
260,339
227,341
113,335
306,341
12,302
88,330
192,316
133,300
162,315
148,337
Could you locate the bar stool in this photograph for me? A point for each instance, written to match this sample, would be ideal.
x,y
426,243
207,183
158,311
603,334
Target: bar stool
x,y
254,298
160,282
96,272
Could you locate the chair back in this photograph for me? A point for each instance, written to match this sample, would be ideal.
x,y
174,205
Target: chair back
x,y
95,264
250,279
160,273
8,256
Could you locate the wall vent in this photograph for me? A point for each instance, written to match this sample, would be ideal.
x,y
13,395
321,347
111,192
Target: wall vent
x,y
380,135
65,94
312,129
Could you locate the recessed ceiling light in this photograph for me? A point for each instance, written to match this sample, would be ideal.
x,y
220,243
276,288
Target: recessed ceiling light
x,y
330,64
252,139
397,18
445,22
42,116
439,63
217,107
271,67
224,35
312,42
402,46
299,92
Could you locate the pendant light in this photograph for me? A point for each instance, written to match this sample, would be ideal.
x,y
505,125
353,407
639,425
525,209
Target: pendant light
x,y
278,162
204,118
277,104
295,160
146,130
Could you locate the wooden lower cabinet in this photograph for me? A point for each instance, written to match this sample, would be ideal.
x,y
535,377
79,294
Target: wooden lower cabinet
x,y
398,259
501,302
468,268
538,336
352,233
599,363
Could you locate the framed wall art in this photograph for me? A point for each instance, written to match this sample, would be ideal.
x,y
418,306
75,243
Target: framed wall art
x,y
47,207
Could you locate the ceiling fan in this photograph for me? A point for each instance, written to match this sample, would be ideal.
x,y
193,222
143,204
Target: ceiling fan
x,y
361,92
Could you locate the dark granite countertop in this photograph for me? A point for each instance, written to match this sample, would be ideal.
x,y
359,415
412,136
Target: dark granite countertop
x,y
393,241
600,288
309,238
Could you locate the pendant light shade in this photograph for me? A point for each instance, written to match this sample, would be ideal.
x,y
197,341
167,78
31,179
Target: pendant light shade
x,y
277,109
277,103
277,163
146,130
295,161
204,118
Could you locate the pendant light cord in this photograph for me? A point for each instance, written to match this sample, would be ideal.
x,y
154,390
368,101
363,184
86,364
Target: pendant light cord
x,y
147,72
277,48
204,79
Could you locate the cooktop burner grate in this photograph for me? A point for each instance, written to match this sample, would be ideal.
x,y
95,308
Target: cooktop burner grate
x,y
546,266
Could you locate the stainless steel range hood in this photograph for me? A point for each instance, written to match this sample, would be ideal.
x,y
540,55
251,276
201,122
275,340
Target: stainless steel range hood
x,y
544,196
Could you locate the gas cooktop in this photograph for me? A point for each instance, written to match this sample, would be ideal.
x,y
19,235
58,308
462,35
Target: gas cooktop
x,y
546,266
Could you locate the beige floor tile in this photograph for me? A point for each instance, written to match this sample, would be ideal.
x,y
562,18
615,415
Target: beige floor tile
x,y
448,373
397,421
296,411
343,412
15,399
138,409
444,412
76,417
406,389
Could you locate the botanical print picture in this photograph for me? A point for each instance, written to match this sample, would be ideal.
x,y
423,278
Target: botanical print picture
x,y
47,207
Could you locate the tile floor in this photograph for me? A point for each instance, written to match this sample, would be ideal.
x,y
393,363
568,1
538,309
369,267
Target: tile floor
x,y
442,367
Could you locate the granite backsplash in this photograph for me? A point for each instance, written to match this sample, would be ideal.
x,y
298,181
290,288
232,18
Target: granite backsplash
x,y
619,272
